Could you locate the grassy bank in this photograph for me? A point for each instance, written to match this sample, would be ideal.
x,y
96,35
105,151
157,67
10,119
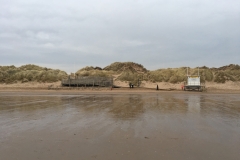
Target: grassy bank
x,y
120,71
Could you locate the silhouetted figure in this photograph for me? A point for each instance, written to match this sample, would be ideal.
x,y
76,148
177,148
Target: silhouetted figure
x,y
157,87
182,86
130,85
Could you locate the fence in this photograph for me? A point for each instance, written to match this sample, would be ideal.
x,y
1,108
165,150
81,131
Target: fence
x,y
88,82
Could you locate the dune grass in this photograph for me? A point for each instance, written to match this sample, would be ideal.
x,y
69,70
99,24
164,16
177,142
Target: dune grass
x,y
27,73
125,71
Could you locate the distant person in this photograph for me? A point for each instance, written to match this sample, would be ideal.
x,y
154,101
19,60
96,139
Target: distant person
x,y
182,86
157,87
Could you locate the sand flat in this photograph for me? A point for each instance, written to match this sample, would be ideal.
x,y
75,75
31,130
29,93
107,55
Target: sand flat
x,y
119,125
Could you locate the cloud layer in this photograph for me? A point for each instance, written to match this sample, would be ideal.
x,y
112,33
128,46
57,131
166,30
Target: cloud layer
x,y
156,33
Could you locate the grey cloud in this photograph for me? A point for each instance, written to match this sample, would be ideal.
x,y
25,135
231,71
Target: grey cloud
x,y
154,33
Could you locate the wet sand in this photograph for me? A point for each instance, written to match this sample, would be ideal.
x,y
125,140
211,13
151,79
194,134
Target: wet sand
x,y
119,125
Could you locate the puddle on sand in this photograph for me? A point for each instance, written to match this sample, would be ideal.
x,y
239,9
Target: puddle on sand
x,y
131,126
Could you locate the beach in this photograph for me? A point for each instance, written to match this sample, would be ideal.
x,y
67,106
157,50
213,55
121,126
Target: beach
x,y
119,124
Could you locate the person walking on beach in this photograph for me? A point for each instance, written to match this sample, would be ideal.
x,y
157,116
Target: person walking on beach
x,y
182,86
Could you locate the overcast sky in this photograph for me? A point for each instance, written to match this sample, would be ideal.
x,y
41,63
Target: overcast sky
x,y
73,34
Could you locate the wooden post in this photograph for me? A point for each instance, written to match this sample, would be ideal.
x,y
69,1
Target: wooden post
x,y
77,84
111,82
69,81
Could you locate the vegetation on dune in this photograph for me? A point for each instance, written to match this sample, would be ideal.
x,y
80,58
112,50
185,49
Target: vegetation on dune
x,y
133,72
222,77
130,77
93,71
178,75
28,73
127,71
123,71
90,68
172,75
207,74
119,67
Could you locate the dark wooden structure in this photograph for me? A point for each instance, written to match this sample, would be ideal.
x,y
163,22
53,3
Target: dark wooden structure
x,y
90,81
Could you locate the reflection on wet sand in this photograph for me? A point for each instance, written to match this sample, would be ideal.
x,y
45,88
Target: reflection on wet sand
x,y
128,106
194,104
124,126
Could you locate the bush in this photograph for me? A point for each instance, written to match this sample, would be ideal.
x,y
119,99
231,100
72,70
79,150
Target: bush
x,y
26,73
173,79
168,75
95,72
208,75
223,76
119,67
134,78
32,67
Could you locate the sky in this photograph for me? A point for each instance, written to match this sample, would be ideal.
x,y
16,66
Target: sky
x,y
69,35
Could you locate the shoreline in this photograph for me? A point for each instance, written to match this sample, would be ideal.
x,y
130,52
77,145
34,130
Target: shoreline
x,y
56,88
122,90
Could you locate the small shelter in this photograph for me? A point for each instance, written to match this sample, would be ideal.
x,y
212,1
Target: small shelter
x,y
193,82
89,81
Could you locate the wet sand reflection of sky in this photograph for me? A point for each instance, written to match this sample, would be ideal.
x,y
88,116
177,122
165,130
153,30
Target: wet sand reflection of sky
x,y
170,124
